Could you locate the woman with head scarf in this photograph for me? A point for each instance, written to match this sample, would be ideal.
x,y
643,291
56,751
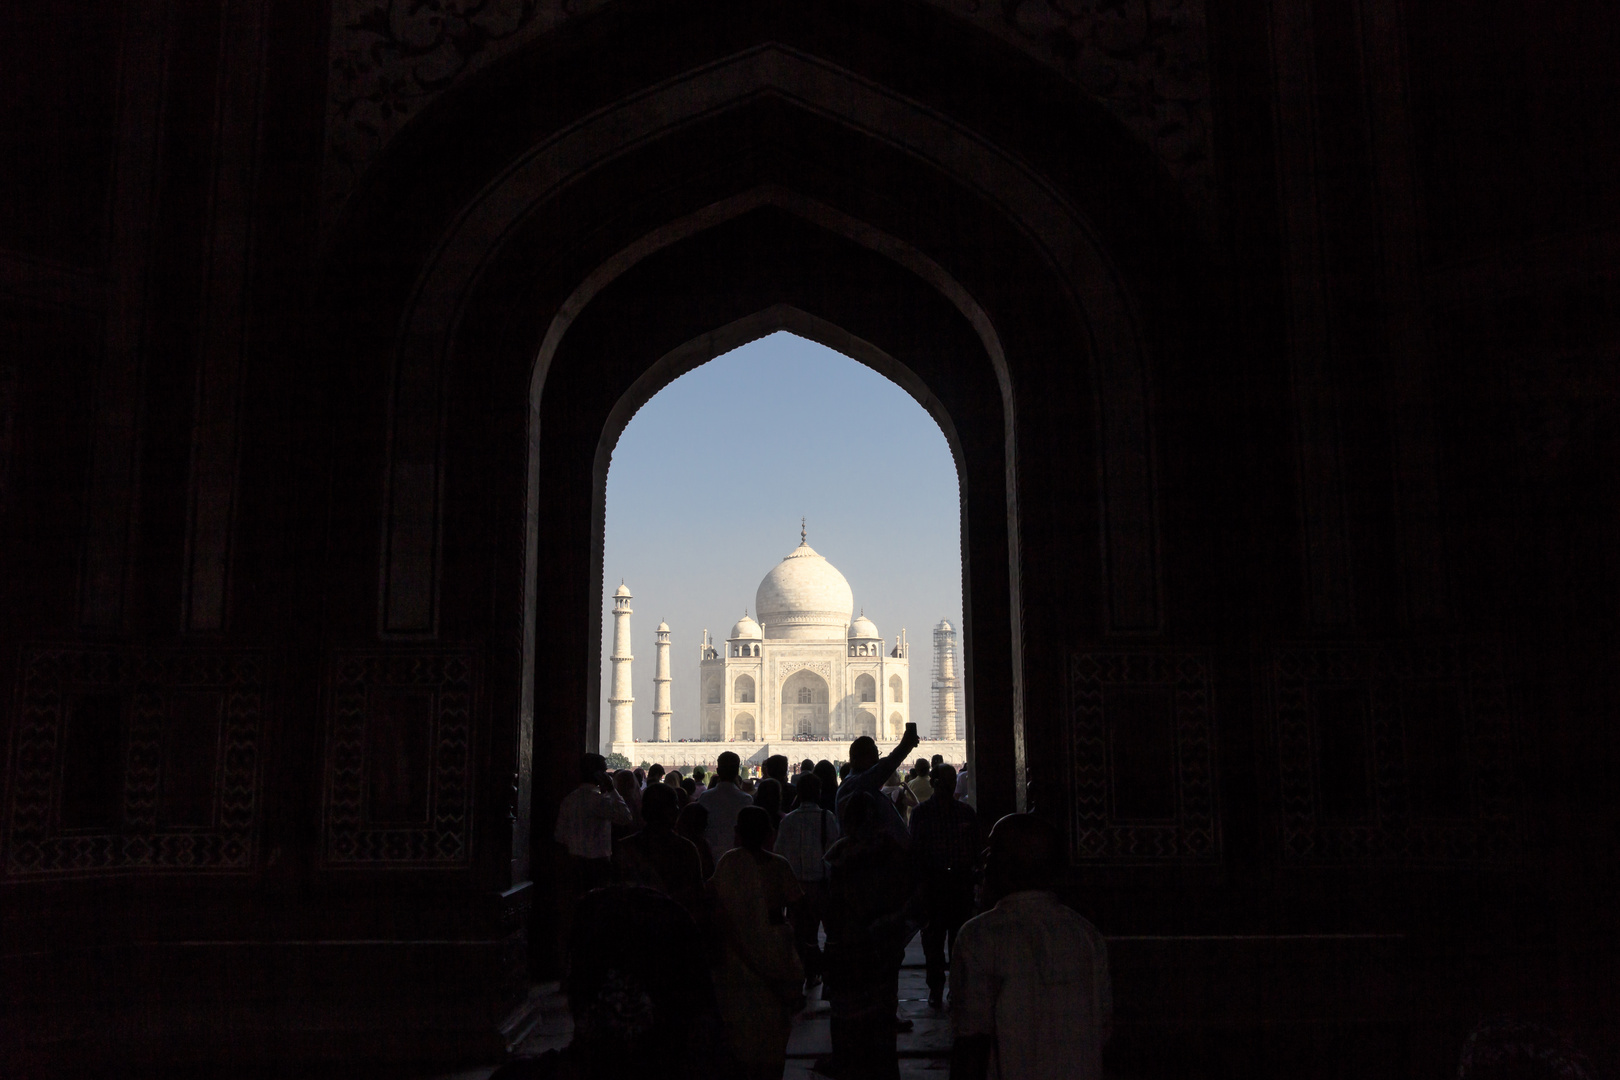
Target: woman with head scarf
x,y
829,784
624,782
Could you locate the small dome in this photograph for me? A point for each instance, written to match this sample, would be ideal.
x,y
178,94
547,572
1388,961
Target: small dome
x,y
623,590
862,628
805,598
663,628
943,625
747,629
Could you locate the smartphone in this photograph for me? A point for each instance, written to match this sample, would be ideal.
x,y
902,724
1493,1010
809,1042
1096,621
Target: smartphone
x,y
911,729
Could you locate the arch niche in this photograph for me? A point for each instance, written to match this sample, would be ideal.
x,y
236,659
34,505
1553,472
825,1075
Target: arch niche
x,y
805,705
525,267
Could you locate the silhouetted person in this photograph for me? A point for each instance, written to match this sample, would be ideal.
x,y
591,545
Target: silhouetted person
x,y
868,889
629,1003
829,784
722,801
585,820
659,859
922,788
776,768
1030,995
700,776
768,797
655,774
803,839
758,978
945,843
692,823
624,782
868,772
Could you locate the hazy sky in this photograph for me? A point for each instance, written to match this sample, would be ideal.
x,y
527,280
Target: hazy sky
x,y
708,483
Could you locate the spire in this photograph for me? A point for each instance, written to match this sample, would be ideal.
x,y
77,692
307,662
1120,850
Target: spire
x,y
802,539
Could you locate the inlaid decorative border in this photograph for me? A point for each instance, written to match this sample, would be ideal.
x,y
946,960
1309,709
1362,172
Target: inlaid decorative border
x,y
1195,834
445,842
36,846
1491,833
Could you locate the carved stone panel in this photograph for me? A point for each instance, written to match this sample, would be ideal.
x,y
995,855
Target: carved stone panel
x,y
399,760
134,761
1395,752
1142,757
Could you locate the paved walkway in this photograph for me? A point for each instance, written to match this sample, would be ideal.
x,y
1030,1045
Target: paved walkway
x,y
925,1051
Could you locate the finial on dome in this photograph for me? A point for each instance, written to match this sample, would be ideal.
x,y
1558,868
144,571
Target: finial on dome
x,y
802,539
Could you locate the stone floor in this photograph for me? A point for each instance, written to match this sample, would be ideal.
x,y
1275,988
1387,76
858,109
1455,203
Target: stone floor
x,y
924,1051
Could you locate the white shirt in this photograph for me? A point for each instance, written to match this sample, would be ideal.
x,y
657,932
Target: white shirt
x,y
799,840
585,820
1033,974
722,802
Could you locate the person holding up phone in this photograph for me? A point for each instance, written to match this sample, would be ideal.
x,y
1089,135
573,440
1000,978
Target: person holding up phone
x,y
867,774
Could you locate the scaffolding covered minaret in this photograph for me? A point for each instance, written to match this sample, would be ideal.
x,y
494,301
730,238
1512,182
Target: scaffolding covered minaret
x,y
661,709
947,688
623,730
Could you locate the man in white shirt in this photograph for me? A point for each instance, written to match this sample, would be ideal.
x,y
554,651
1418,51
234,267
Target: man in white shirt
x,y
722,802
1030,993
585,820
803,839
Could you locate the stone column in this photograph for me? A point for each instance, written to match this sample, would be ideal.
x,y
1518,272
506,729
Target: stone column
x,y
661,710
623,730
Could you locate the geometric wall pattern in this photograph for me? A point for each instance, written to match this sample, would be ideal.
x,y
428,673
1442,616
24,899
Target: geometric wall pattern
x,y
399,760
1142,757
1397,752
134,761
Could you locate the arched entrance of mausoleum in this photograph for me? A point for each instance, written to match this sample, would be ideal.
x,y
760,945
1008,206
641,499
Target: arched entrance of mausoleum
x,y
553,292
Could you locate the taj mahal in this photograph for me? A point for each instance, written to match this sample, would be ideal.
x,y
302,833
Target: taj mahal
x,y
804,678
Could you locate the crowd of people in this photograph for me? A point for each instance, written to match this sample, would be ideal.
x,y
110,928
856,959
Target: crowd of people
x,y
753,873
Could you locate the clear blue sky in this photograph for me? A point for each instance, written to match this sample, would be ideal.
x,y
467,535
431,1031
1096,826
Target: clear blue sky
x,y
709,480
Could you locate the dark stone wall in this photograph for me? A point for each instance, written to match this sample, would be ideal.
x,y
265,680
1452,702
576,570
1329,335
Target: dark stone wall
x,y
1289,516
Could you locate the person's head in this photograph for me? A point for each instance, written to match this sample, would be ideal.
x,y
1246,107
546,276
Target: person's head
x,y
624,782
658,807
829,775
768,795
921,768
843,772
1025,853
689,785
863,754
937,760
809,788
591,767
655,773
754,827
692,820
698,773
776,767
728,766
943,779
806,766
625,997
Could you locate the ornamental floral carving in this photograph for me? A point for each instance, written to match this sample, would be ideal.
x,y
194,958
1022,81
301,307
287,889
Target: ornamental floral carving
x,y
1145,60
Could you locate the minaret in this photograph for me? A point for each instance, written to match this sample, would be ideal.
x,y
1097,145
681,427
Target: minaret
x,y
620,699
945,683
661,711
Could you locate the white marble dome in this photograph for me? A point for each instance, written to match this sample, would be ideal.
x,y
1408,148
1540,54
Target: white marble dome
x,y
863,628
746,629
804,598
